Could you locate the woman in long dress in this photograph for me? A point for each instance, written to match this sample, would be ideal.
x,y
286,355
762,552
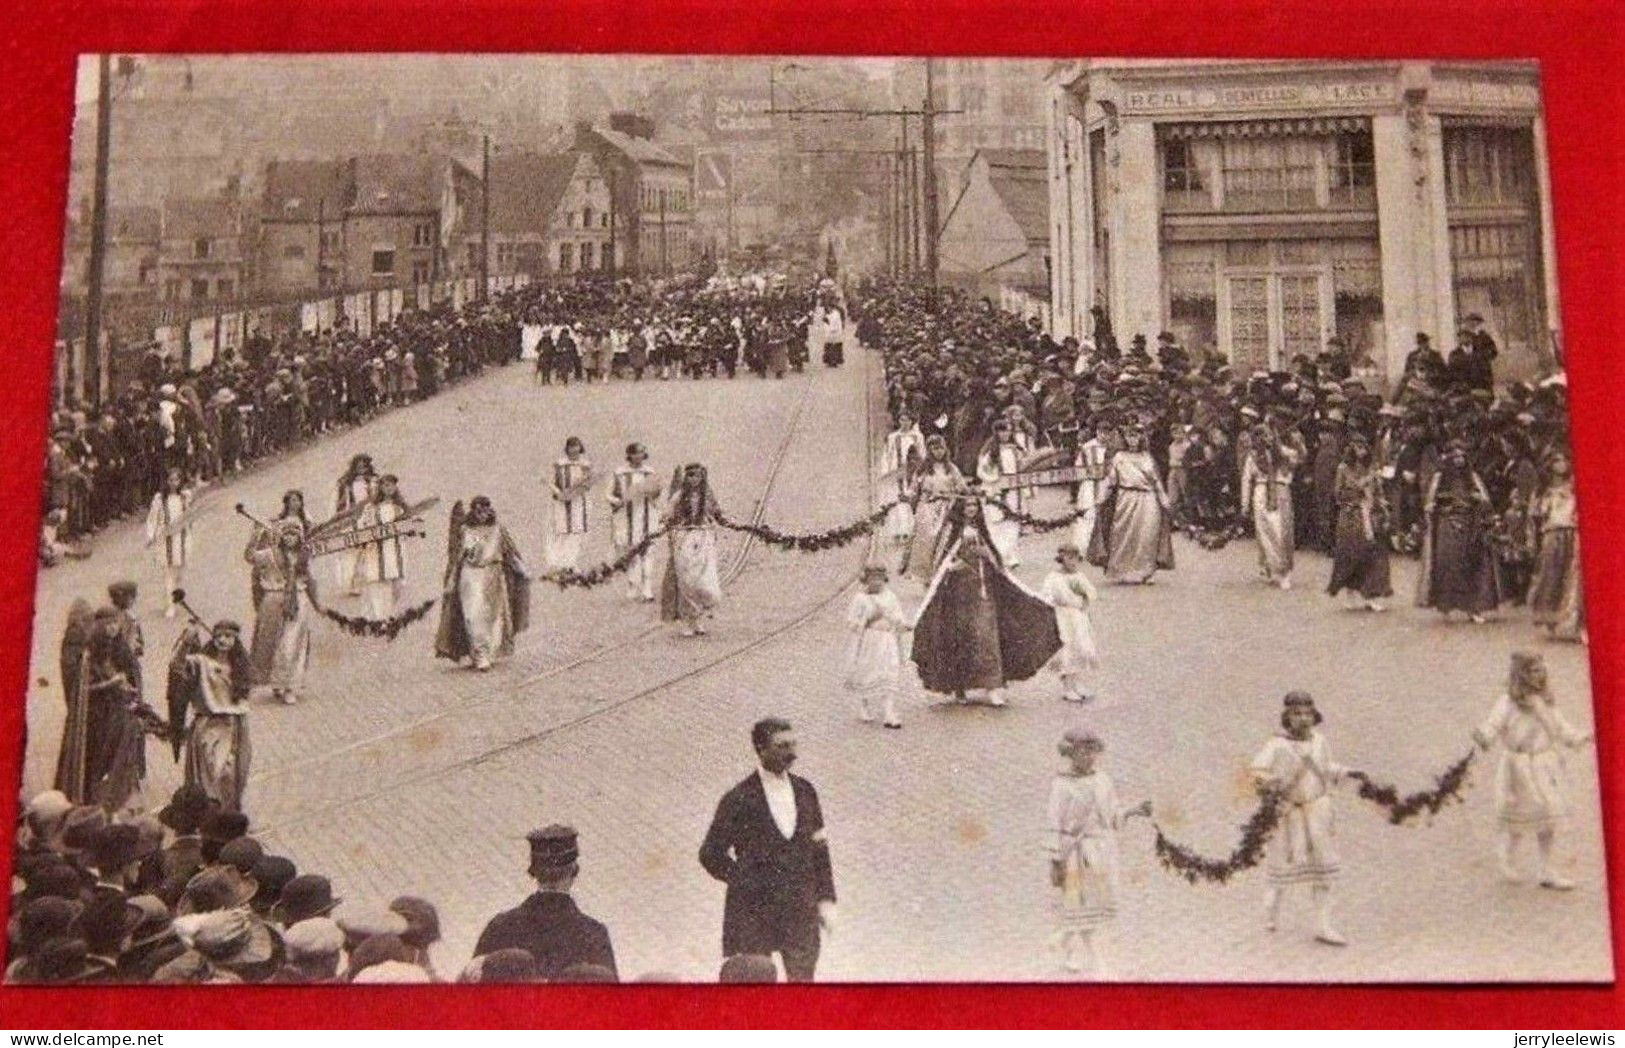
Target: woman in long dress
x,y
1133,537
1459,570
103,755
932,490
1530,794
1555,596
280,651
979,629
691,589
572,476
1084,818
1266,496
1359,559
209,679
487,589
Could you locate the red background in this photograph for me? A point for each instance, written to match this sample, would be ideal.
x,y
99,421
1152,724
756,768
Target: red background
x,y
1579,46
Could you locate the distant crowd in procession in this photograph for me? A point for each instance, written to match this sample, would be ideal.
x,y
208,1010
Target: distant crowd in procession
x,y
278,392
1473,478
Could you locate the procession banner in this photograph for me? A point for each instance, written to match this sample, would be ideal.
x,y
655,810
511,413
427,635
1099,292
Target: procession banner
x,y
200,342
344,540
1038,478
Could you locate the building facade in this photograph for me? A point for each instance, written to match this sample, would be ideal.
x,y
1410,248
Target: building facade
x,y
201,251
651,187
1262,208
551,214
995,233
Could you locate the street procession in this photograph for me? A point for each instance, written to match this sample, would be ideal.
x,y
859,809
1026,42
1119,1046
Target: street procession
x,y
891,622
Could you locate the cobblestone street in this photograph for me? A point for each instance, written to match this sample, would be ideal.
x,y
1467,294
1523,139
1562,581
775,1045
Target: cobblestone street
x,y
401,775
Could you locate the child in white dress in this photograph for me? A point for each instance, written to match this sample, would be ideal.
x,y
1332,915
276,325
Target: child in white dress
x,y
1084,817
1529,790
874,660
1297,766
1071,594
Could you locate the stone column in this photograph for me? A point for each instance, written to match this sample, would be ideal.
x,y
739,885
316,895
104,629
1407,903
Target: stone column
x,y
1413,233
1548,241
1136,307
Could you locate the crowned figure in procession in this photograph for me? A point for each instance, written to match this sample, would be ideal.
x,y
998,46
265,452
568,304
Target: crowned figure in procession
x,y
932,488
692,587
979,628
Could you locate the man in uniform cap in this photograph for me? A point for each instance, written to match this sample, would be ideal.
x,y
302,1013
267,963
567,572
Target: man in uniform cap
x,y
548,924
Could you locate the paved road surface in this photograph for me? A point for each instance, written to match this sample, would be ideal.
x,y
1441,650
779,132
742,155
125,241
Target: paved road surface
x,y
400,774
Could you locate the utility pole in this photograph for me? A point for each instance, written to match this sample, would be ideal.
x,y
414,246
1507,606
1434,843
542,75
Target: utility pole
x,y
95,363
485,220
929,133
664,269
321,242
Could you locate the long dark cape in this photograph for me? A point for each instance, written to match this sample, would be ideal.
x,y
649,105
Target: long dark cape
x,y
1028,634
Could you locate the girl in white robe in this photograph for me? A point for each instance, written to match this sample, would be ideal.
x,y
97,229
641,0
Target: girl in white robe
x,y
382,565
572,476
874,658
904,452
1084,817
1070,593
1530,794
1297,765
169,533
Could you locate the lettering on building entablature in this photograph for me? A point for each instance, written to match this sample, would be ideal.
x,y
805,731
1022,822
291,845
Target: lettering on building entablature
x,y
1481,94
1261,96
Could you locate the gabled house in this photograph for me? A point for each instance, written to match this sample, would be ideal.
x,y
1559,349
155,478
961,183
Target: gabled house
x,y
996,234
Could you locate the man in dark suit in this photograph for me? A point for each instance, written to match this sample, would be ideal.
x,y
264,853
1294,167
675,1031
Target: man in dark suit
x,y
766,843
548,925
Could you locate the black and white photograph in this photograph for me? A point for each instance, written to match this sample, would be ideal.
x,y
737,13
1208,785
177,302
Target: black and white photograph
x,y
541,518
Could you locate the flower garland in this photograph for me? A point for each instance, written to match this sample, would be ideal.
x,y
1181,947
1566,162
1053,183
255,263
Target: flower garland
x,y
1447,787
1218,536
566,578
1039,524
1249,850
813,542
388,629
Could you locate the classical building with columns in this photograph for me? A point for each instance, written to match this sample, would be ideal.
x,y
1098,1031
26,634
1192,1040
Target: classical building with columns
x,y
1263,207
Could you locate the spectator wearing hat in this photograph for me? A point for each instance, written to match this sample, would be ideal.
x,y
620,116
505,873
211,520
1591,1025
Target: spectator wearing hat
x,y
747,968
1296,766
241,852
375,950
272,873
219,829
313,949
1479,370
303,898
548,923
114,855
235,941
36,923
1084,817
511,965
217,887
105,927
58,961
152,941
178,861
422,928
767,844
